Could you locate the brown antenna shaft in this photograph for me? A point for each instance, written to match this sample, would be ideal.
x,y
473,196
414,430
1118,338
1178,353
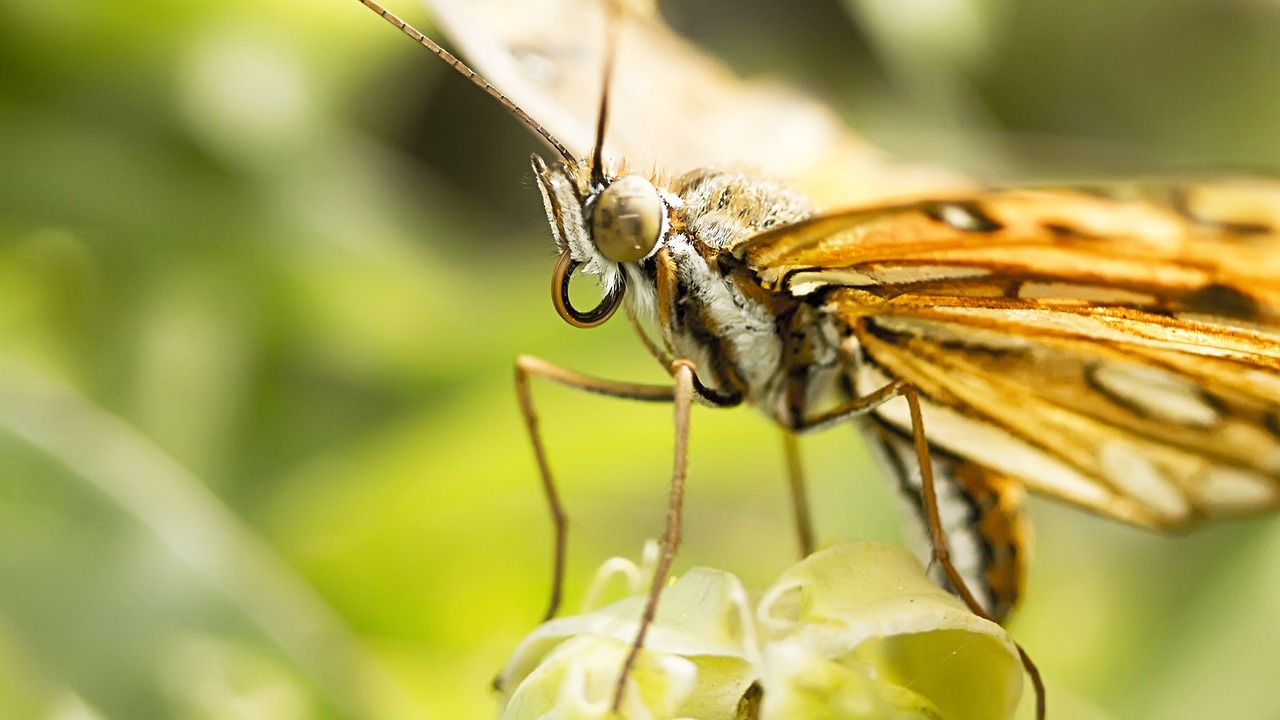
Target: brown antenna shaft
x,y
602,118
473,76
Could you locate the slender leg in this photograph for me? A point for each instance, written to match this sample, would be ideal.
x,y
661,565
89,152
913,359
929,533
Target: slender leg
x,y
941,553
940,550
675,506
867,403
686,388
528,366
870,401
799,493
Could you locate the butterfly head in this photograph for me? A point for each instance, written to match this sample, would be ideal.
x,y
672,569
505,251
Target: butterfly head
x,y
599,228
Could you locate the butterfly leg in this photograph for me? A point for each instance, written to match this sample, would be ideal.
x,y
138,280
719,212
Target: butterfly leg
x,y
681,395
981,510
799,493
865,404
941,552
528,366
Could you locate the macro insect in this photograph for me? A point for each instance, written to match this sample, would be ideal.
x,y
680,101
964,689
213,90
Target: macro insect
x,y
1116,348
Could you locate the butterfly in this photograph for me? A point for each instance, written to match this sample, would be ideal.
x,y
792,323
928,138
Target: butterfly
x,y
1113,347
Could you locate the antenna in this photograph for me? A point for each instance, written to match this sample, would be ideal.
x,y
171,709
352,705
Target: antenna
x,y
474,77
611,51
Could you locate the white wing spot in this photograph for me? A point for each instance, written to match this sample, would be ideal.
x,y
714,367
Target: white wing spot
x,y
1155,393
1227,488
806,281
1264,382
1083,294
904,274
803,283
950,333
964,217
1137,476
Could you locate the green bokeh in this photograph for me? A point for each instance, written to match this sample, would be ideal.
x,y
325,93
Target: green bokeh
x,y
279,264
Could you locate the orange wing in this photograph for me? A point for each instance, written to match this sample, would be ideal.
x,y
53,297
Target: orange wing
x,y
1120,353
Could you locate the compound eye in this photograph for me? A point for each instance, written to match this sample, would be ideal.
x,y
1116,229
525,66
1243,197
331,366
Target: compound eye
x,y
627,219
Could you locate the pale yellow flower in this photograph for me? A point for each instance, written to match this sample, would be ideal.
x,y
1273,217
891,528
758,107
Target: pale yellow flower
x,y
853,632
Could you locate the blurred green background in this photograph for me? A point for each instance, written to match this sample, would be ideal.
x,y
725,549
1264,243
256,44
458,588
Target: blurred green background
x,y
264,268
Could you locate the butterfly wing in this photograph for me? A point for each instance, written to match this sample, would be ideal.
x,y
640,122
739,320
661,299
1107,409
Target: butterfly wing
x,y
1120,353
673,107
